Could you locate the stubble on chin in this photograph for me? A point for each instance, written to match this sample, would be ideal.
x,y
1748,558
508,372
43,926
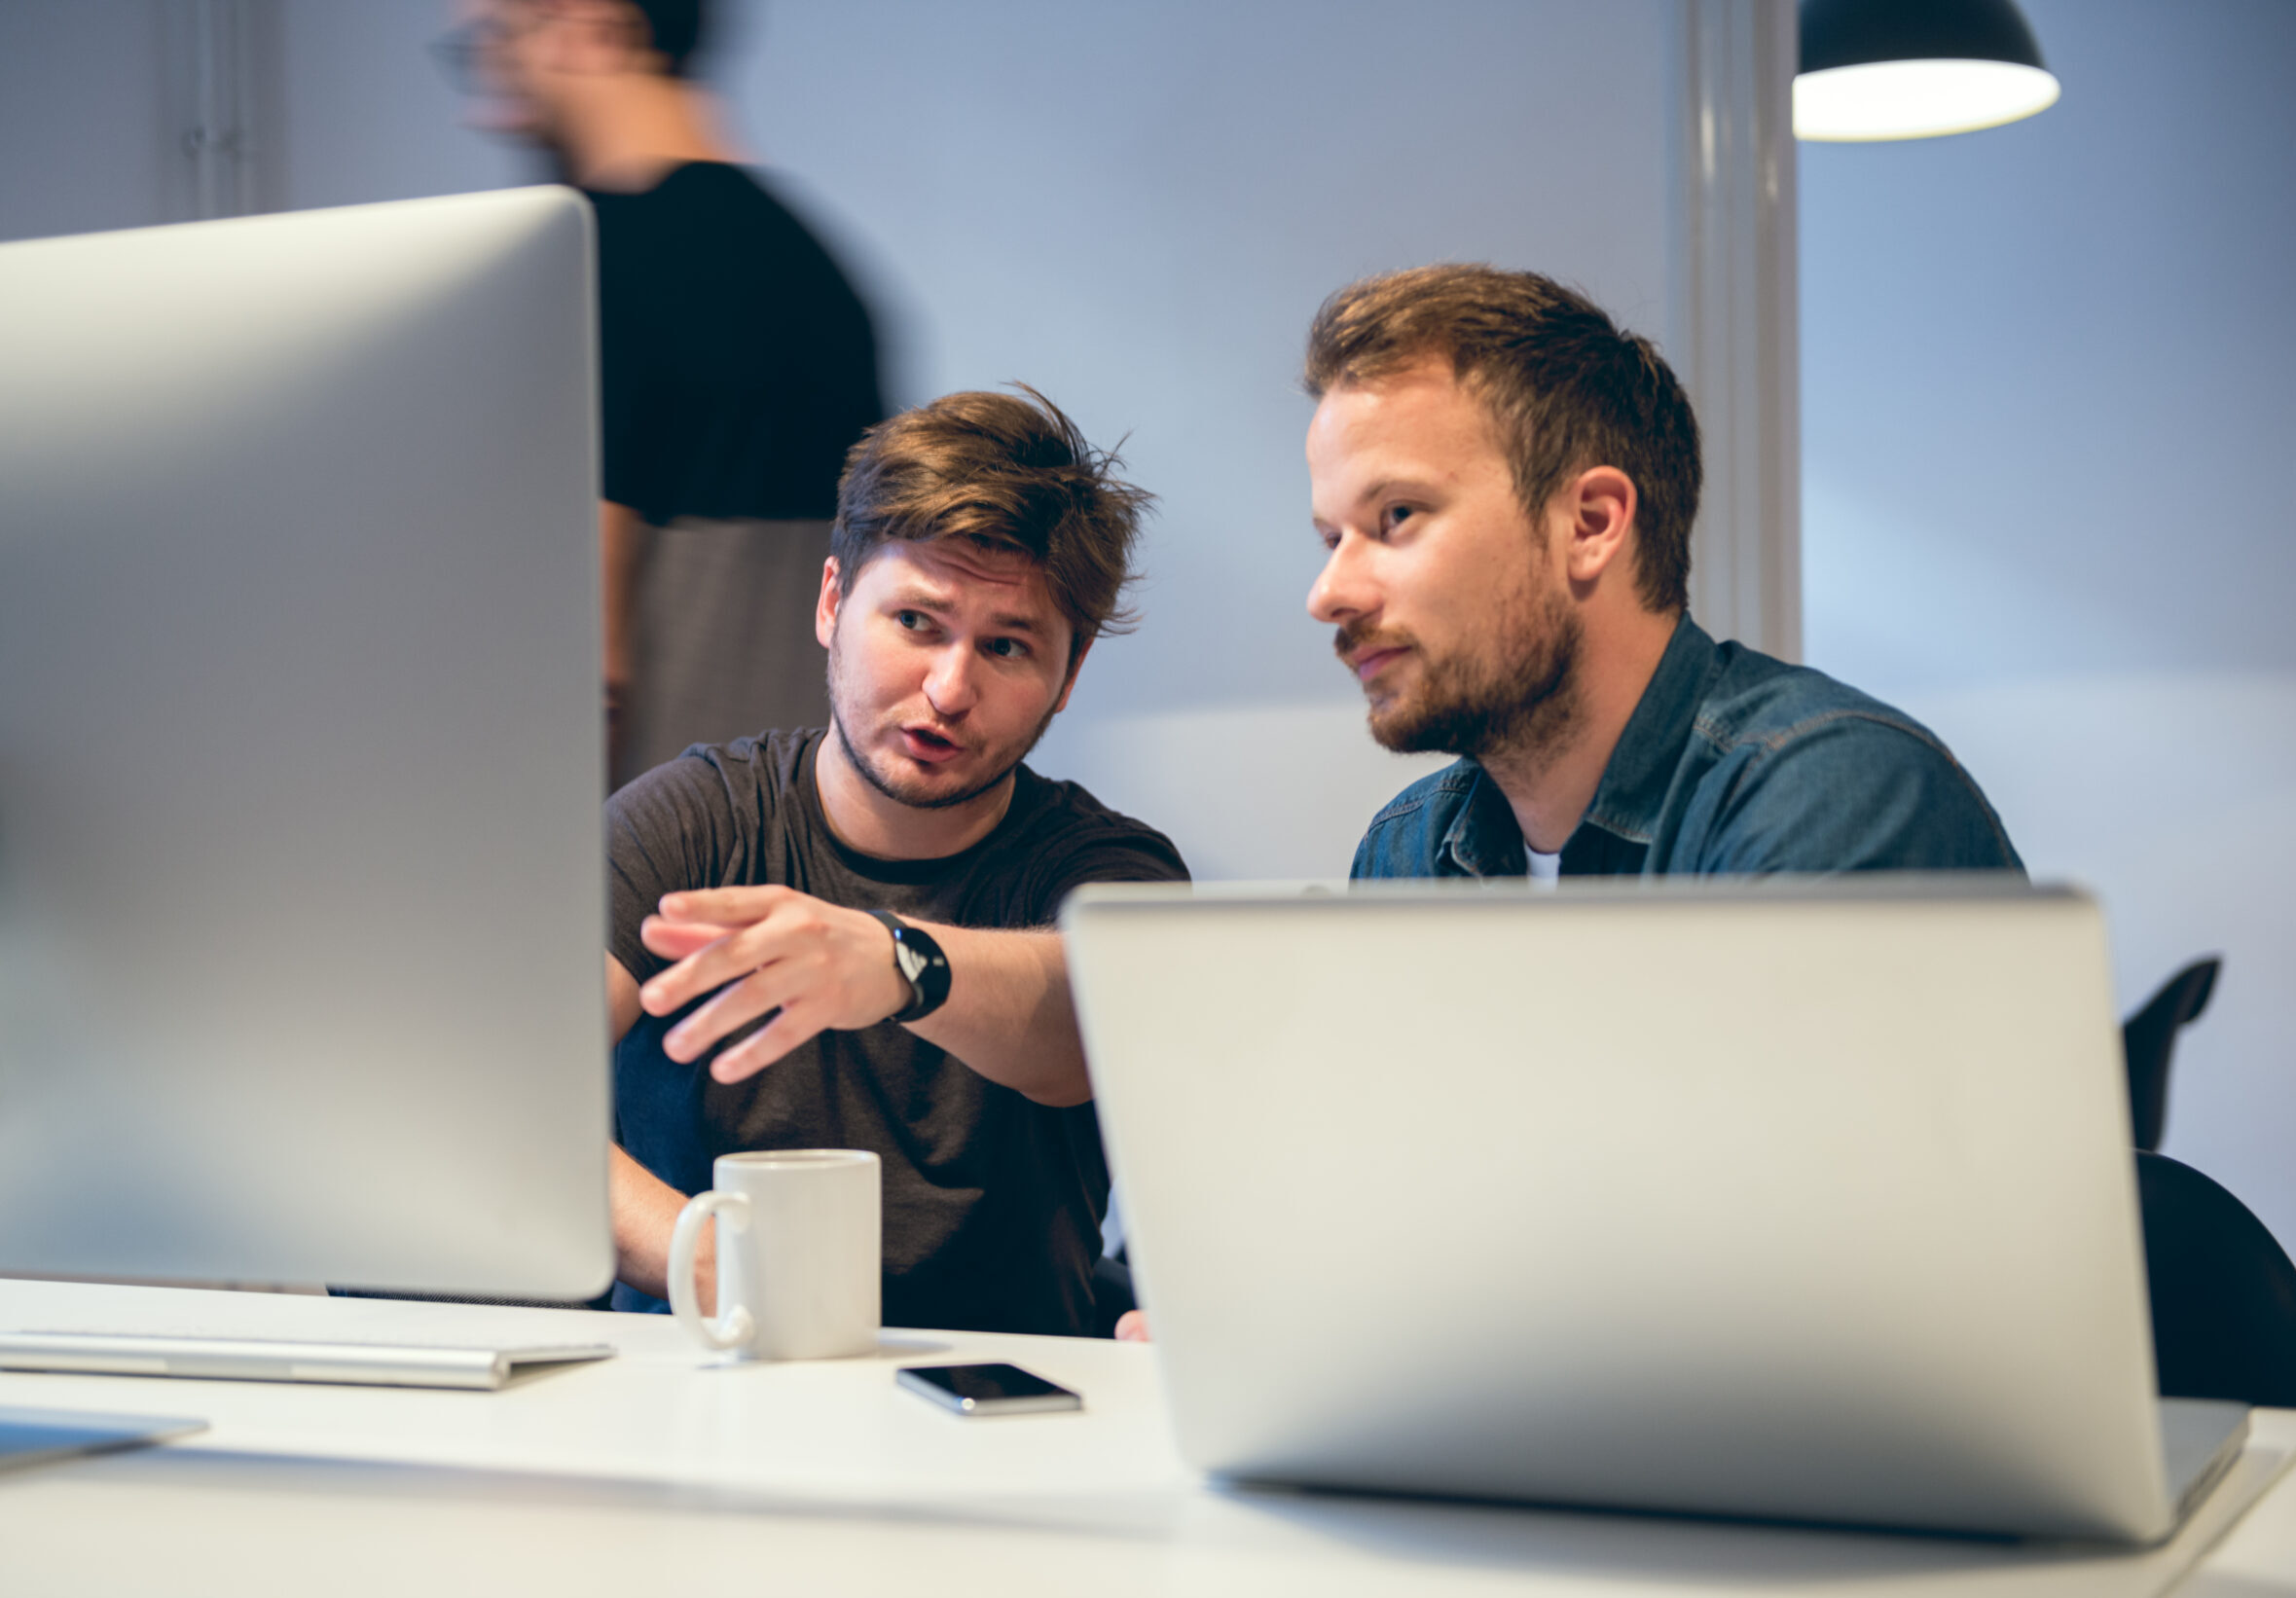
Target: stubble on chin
x,y
1520,702
918,795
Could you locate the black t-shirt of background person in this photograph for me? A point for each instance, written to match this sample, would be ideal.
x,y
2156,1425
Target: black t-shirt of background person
x,y
736,363
993,1203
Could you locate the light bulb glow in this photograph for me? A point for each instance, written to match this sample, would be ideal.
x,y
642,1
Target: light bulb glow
x,y
1917,100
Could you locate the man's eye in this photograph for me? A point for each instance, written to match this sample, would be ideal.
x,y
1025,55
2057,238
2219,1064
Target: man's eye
x,y
1008,648
912,620
1395,515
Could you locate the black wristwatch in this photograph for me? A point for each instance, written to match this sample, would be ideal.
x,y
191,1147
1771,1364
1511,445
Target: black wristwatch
x,y
922,964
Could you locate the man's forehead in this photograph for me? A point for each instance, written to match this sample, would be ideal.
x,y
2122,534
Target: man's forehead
x,y
960,569
1419,418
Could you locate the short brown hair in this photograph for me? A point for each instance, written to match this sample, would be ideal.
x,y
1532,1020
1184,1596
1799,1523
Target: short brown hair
x,y
1008,472
1567,389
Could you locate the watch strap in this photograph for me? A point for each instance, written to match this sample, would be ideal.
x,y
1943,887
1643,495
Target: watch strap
x,y
921,966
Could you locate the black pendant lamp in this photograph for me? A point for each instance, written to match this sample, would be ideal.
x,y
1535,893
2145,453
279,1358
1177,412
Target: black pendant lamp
x,y
1911,69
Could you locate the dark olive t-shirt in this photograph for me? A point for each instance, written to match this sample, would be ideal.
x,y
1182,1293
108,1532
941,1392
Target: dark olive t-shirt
x,y
993,1203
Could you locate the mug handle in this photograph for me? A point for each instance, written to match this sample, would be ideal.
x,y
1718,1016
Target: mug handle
x,y
732,1327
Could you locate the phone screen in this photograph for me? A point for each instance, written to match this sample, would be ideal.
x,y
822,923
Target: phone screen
x,y
978,1388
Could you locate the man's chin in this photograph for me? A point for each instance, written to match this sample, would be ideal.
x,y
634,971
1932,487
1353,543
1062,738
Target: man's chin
x,y
930,789
1396,725
930,784
1410,728
941,785
1406,737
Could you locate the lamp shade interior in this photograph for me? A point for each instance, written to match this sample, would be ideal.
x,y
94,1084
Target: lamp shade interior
x,y
1917,100
1908,69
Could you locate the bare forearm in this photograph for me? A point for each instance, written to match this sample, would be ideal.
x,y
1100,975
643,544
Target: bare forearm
x,y
645,1209
1009,1016
808,966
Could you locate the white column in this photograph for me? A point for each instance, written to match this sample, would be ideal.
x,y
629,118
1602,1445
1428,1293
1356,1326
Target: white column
x,y
1739,317
223,104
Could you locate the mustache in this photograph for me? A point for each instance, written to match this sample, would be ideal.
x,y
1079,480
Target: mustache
x,y
1353,637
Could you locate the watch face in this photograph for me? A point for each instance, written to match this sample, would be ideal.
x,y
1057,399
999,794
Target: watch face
x,y
911,962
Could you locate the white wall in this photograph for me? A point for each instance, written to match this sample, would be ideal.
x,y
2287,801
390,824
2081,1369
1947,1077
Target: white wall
x,y
1135,208
82,96
2047,415
370,116
1138,210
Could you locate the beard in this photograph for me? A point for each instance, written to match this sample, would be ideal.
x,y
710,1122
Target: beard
x,y
903,788
1518,698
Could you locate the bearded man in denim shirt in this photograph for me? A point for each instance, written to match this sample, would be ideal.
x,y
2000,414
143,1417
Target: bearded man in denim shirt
x,y
1506,482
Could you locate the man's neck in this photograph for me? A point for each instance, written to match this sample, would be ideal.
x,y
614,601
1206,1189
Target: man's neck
x,y
625,133
1549,783
866,818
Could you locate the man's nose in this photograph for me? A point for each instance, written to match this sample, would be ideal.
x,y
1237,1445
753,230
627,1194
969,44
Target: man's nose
x,y
950,684
1343,590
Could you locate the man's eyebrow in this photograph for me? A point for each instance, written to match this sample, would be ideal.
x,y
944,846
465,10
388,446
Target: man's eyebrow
x,y
1409,486
1386,486
917,598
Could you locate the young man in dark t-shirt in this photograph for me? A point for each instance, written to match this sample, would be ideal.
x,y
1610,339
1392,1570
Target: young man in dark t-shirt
x,y
841,937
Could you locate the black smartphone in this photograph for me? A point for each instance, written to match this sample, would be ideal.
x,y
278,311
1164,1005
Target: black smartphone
x,y
986,1390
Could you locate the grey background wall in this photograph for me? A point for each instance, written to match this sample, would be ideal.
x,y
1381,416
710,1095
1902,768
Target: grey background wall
x,y
1138,210
2047,415
2043,368
82,105
1135,208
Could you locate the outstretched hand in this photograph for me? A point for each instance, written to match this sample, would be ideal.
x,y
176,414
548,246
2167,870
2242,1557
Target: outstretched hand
x,y
765,949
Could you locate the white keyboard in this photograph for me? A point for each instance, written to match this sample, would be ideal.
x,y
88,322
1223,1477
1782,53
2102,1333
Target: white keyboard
x,y
272,1360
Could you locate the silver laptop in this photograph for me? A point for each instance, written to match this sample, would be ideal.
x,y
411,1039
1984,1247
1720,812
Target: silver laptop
x,y
1800,1201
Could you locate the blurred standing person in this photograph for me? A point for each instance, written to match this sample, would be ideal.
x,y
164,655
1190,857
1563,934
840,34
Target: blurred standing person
x,y
738,365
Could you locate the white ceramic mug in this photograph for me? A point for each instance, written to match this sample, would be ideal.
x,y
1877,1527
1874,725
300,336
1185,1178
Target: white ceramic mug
x,y
799,1242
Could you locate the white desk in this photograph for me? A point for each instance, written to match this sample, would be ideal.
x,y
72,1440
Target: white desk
x,y
658,1473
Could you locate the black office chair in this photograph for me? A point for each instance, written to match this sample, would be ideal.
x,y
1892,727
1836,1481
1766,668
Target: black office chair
x,y
2223,1290
2148,1038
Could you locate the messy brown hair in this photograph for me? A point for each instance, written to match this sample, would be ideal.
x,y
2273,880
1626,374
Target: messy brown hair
x,y
1565,387
1004,471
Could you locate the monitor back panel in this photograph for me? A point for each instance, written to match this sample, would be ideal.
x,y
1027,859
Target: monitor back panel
x,y
301,889
1800,1204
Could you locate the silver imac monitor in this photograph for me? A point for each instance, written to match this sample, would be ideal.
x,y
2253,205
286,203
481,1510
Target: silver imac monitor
x,y
301,880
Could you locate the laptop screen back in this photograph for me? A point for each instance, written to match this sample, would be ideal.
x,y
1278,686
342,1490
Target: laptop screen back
x,y
1808,1202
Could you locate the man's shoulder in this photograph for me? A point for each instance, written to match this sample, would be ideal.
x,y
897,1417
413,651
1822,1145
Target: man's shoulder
x,y
1404,837
1052,812
705,217
1804,772
1758,704
1441,790
705,188
742,786
740,209
768,761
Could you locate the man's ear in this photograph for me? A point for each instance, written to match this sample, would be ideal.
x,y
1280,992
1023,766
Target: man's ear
x,y
825,610
1600,503
1074,665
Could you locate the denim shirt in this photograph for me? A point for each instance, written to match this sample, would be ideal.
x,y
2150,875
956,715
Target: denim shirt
x,y
1732,762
